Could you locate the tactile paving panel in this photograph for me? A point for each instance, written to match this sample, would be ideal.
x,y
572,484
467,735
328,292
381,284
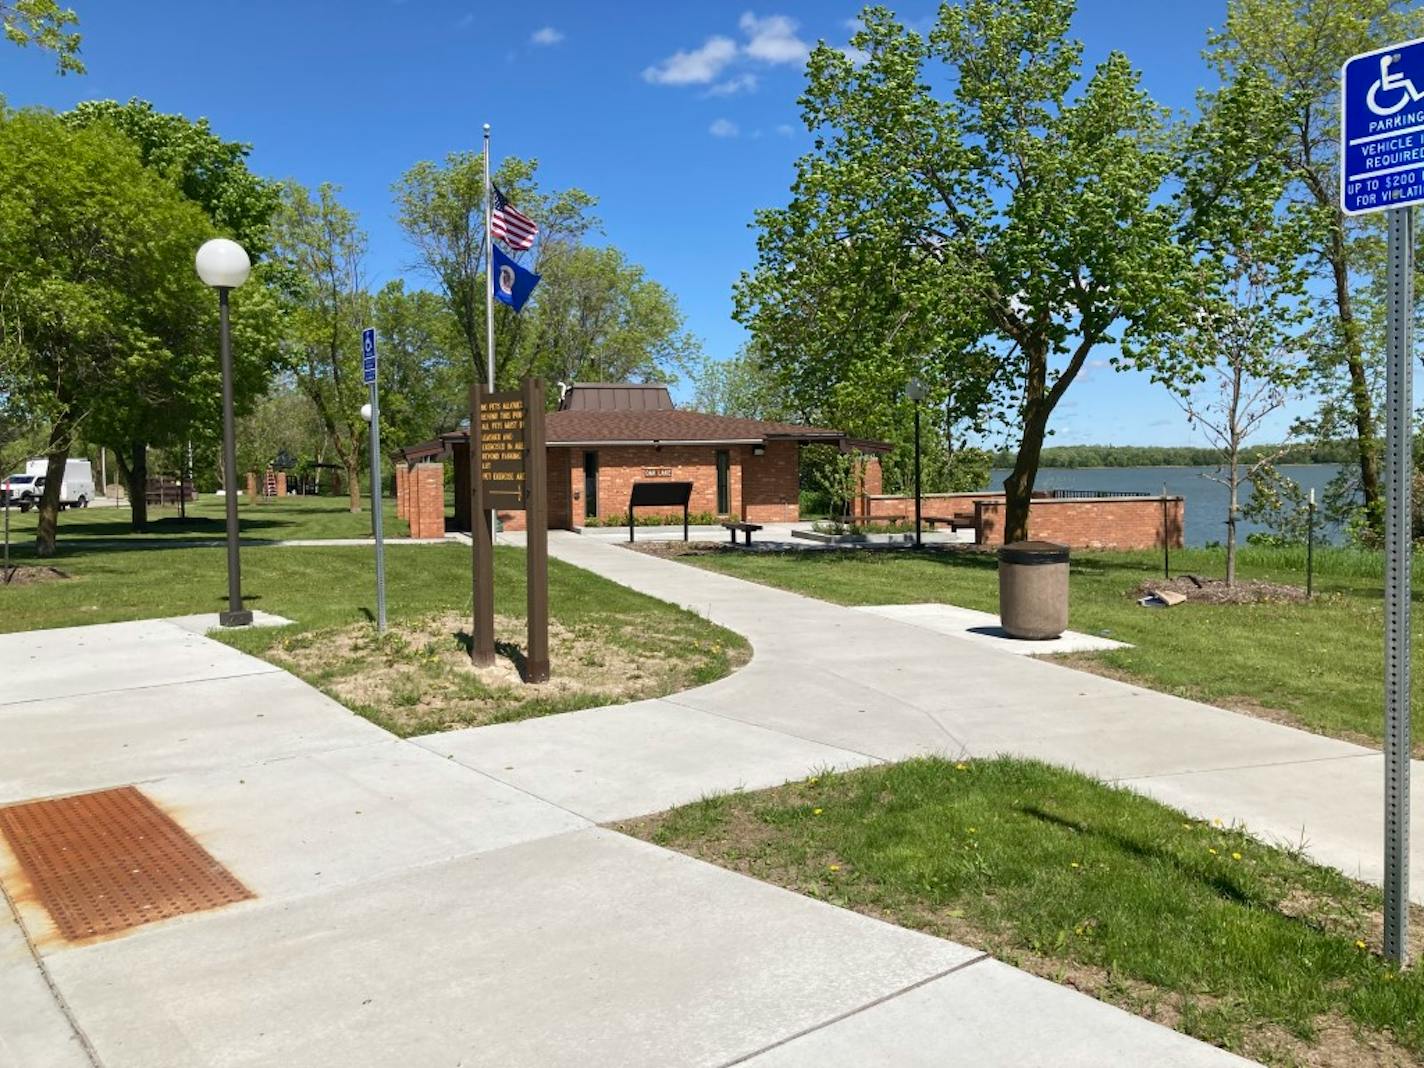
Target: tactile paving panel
x,y
108,861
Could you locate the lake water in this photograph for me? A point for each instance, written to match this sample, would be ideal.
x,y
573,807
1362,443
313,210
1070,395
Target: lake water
x,y
1205,499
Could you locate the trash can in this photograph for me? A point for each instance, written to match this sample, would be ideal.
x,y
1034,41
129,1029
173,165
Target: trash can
x,y
1033,589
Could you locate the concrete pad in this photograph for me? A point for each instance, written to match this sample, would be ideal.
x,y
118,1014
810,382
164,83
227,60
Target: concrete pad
x,y
73,743
826,708
207,622
629,760
992,1016
322,820
72,661
1335,808
982,628
584,949
1117,737
34,1031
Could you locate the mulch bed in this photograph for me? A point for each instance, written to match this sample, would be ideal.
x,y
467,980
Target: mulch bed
x,y
28,576
1216,591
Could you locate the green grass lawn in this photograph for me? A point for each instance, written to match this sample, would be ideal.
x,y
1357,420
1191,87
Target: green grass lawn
x,y
278,519
1195,925
1320,664
330,594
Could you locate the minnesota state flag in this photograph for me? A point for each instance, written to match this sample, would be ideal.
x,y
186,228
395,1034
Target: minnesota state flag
x,y
512,283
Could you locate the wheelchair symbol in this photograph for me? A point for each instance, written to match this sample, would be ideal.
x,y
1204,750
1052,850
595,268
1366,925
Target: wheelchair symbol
x,y
1391,83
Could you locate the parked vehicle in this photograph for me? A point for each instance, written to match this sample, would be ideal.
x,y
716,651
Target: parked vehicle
x,y
24,490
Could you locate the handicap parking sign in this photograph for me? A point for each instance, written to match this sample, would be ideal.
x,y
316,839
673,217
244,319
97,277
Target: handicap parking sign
x,y
1382,129
368,355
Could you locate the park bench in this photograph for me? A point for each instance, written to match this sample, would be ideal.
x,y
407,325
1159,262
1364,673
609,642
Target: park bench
x,y
745,528
956,522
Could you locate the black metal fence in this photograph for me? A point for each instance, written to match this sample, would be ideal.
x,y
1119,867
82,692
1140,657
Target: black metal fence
x,y
1078,494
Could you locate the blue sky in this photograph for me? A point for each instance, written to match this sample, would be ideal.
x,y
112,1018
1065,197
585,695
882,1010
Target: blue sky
x,y
681,118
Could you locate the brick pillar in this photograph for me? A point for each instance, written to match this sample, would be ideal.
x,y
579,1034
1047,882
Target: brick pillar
x,y
252,485
871,483
426,486
281,483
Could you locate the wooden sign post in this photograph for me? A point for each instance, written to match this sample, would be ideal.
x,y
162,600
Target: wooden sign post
x,y
508,472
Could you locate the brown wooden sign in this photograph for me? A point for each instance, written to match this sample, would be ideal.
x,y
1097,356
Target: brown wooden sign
x,y
502,449
508,463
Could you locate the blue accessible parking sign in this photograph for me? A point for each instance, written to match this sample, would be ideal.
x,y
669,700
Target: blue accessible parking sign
x,y
368,356
1382,129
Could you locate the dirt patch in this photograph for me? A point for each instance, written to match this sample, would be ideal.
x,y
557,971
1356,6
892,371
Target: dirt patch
x,y
29,576
417,678
1215,591
674,549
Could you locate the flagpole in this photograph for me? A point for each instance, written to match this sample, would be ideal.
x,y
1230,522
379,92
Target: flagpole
x,y
489,270
489,301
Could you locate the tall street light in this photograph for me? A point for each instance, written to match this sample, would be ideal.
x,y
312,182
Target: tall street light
x,y
916,391
224,265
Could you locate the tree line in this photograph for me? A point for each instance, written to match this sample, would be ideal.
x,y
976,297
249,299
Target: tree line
x,y
1298,452
108,338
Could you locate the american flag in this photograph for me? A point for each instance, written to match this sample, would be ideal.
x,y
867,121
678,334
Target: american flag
x,y
509,224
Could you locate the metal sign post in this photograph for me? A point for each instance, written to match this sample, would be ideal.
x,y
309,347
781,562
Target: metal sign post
x,y
1382,168
368,374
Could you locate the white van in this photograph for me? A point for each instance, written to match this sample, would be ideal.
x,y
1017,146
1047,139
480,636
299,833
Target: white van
x,y
76,491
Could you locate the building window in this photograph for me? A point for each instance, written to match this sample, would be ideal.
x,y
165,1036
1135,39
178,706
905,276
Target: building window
x,y
590,483
724,482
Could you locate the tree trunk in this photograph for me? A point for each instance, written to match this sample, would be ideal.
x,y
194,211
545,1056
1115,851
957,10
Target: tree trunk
x,y
138,486
1018,487
1231,507
353,481
1360,400
57,454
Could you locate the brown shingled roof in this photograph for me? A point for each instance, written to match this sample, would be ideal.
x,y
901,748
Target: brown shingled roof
x,y
671,425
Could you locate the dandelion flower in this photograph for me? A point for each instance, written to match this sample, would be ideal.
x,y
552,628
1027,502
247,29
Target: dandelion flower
x,y
1073,864
971,830
961,767
815,812
1235,856
1211,851
835,867
1359,943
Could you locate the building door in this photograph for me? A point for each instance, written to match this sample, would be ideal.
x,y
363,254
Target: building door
x,y
724,482
590,483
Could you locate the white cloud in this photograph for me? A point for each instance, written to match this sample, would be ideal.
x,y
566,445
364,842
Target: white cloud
x,y
742,83
785,130
858,56
546,36
723,128
466,21
698,67
773,39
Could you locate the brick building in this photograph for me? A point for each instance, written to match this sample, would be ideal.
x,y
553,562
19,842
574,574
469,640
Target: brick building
x,y
604,437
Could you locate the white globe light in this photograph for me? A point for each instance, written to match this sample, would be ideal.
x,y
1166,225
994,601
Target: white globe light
x,y
366,412
916,390
223,264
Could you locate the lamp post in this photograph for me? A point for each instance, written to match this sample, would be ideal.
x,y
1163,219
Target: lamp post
x,y
915,390
224,265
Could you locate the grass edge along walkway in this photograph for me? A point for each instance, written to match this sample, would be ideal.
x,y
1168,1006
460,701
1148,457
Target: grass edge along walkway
x,y
1316,666
1186,922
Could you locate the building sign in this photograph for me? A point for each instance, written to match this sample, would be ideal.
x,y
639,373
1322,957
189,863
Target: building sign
x,y
502,449
657,472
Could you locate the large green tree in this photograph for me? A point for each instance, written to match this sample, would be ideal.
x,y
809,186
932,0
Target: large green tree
x,y
1298,47
440,207
988,239
424,370
169,402
96,278
47,26
320,245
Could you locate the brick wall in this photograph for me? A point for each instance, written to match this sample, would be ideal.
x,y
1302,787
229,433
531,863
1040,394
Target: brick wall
x,y
425,509
771,490
762,489
1091,523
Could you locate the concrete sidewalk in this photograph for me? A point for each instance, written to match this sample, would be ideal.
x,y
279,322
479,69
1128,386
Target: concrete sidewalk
x,y
877,688
410,908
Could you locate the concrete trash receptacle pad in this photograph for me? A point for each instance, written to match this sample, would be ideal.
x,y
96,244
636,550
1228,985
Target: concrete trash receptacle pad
x,y
1033,589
